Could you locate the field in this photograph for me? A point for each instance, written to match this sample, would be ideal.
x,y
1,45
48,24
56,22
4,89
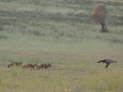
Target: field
x,y
60,32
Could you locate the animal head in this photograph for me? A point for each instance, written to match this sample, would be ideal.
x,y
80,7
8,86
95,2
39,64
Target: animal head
x,y
101,61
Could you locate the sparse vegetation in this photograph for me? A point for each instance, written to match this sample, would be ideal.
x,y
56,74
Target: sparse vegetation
x,y
59,32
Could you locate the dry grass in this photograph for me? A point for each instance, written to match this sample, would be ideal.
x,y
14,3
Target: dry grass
x,y
52,32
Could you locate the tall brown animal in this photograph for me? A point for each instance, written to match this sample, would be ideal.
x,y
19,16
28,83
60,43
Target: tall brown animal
x,y
99,15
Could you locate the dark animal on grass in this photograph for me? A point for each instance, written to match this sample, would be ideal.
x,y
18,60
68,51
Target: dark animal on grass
x,y
107,62
43,66
29,66
14,64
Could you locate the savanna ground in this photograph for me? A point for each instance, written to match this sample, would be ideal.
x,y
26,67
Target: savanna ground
x,y
60,32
